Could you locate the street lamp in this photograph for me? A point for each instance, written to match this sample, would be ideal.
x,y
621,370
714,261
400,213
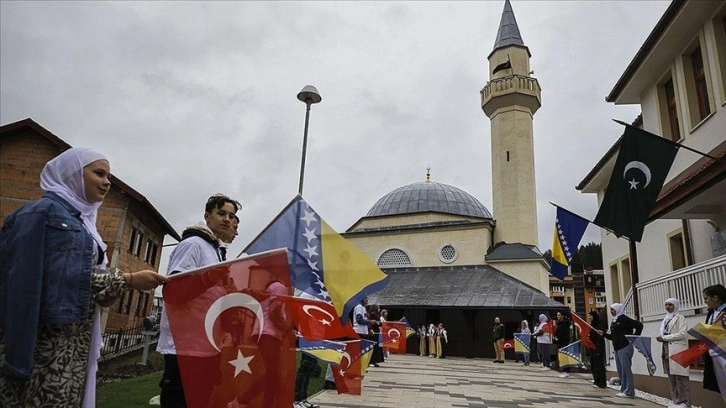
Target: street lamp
x,y
309,95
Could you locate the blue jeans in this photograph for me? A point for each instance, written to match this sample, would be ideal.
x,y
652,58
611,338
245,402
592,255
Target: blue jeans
x,y
525,357
624,362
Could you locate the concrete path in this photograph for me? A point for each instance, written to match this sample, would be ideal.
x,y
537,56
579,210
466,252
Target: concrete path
x,y
409,381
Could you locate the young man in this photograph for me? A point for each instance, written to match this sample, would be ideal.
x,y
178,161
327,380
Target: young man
x,y
498,339
200,246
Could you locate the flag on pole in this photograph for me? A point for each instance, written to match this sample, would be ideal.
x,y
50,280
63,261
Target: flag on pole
x,y
640,170
316,319
583,328
690,355
569,356
393,337
226,320
330,352
569,229
642,344
714,335
410,331
322,262
522,342
366,352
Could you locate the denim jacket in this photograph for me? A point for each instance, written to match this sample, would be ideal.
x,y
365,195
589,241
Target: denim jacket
x,y
46,261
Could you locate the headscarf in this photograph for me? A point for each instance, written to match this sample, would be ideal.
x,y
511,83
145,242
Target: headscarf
x,y
543,318
63,176
669,316
619,310
526,325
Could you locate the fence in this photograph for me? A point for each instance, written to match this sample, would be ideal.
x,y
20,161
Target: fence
x,y
123,340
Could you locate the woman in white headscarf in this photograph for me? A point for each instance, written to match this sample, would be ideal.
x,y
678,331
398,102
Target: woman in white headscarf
x,y
674,336
52,280
543,333
620,327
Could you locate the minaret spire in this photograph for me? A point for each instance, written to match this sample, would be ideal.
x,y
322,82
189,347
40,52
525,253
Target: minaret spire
x,y
508,33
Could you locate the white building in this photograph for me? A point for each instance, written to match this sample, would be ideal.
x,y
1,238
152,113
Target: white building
x,y
678,77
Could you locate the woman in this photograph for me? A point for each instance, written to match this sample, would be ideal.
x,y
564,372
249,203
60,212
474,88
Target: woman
x,y
524,329
674,336
442,337
543,333
422,340
52,283
431,334
714,373
621,326
597,356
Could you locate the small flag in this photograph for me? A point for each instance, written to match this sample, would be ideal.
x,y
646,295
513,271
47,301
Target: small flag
x,y
393,337
583,329
410,331
569,356
348,373
522,342
640,170
316,319
504,65
330,352
366,353
508,344
714,335
690,355
642,344
569,229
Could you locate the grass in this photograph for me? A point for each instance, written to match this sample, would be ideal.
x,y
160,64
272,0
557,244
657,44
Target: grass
x,y
136,391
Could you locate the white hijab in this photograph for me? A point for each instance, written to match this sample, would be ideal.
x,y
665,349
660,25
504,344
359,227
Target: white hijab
x,y
64,176
619,310
669,316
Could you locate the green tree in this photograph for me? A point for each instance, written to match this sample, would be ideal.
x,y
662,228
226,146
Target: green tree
x,y
591,255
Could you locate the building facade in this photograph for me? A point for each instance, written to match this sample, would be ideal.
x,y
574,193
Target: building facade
x,y
133,229
678,77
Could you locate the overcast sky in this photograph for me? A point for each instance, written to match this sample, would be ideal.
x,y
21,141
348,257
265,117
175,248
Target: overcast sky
x,y
188,99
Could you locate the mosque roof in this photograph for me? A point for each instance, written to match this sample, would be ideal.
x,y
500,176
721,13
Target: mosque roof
x,y
516,251
472,286
429,196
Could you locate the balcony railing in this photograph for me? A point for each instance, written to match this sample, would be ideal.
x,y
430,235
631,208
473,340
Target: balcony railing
x,y
684,284
512,83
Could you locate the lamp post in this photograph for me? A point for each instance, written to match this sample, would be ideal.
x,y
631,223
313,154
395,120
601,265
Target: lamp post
x,y
309,95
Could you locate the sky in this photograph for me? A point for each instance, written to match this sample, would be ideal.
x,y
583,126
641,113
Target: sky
x,y
188,99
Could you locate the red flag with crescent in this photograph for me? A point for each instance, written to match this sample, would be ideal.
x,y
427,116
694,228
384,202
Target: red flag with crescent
x,y
394,337
235,343
690,355
508,344
317,320
349,373
584,329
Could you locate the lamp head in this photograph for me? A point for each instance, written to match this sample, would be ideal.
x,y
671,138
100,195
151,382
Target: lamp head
x,y
309,95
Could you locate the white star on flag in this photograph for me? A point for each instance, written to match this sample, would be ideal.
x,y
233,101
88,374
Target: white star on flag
x,y
311,250
241,363
310,234
309,217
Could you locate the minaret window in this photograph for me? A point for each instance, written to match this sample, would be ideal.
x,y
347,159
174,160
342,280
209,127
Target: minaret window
x,y
507,155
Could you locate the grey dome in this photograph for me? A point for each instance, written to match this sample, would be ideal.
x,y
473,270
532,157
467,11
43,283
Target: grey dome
x,y
429,196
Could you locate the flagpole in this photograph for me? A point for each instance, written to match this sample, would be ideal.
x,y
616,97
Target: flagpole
x,y
309,94
677,144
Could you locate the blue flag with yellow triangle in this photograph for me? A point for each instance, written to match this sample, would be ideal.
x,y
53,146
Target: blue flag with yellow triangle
x,y
569,356
328,351
522,342
569,229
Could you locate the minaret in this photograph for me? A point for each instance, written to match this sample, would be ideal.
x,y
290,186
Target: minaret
x,y
510,99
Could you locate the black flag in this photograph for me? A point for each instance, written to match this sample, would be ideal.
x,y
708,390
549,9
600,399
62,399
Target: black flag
x,y
503,66
640,170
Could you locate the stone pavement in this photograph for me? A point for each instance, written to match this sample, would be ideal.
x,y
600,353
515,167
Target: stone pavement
x,y
405,381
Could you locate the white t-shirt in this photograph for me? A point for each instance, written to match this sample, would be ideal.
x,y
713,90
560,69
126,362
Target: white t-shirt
x,y
191,253
360,328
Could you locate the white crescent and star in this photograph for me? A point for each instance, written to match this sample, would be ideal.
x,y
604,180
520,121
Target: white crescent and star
x,y
638,166
241,363
227,302
307,309
579,329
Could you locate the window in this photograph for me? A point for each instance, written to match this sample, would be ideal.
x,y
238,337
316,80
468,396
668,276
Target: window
x,y
139,241
614,282
672,110
719,34
699,77
154,250
129,298
147,251
590,301
447,253
677,250
132,241
142,304
394,257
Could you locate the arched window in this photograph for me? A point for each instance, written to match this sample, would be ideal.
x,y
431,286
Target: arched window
x,y
394,257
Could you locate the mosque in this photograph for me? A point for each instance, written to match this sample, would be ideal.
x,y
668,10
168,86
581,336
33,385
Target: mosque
x,y
448,259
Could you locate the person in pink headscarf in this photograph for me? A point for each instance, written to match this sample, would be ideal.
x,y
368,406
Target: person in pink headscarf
x,y
52,281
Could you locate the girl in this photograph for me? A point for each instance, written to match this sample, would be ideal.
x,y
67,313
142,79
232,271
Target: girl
x,y
674,336
543,332
714,373
524,328
621,326
52,282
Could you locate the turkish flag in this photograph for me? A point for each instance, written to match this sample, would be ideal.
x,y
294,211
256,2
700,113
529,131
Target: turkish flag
x,y
234,341
583,328
549,327
508,344
317,320
349,373
394,337
690,355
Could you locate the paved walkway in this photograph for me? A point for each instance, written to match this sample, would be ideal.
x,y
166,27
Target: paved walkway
x,y
405,381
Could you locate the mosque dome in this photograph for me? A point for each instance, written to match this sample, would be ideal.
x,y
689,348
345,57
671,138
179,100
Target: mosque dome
x,y
429,196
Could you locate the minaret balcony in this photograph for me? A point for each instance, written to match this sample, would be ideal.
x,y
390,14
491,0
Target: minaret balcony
x,y
509,91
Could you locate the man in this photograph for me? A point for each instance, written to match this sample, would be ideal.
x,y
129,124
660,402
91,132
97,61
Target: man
x,y
498,339
361,323
562,336
200,246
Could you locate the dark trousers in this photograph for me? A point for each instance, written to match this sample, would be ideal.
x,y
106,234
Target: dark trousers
x,y
597,365
205,376
302,379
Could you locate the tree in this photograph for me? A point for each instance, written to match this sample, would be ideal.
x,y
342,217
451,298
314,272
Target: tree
x,y
591,255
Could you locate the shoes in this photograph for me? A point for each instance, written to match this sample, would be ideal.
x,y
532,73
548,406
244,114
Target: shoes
x,y
375,365
681,405
328,385
595,386
544,368
496,361
501,361
623,395
525,365
563,375
298,404
308,404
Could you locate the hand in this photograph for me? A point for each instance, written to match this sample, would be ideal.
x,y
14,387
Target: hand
x,y
600,332
659,339
144,280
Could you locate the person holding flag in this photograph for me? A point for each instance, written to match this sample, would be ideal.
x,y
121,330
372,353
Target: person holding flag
x,y
543,333
714,373
562,337
524,329
621,326
674,336
597,356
